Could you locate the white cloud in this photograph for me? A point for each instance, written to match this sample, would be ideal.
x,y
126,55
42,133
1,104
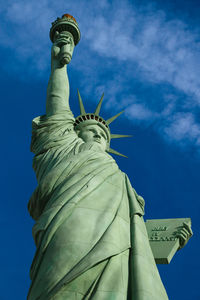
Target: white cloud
x,y
184,128
138,112
165,51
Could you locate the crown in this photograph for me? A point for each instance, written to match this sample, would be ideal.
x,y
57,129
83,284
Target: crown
x,y
66,23
85,119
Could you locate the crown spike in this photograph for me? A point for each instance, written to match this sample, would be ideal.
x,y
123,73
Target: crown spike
x,y
99,106
118,136
113,118
110,150
82,109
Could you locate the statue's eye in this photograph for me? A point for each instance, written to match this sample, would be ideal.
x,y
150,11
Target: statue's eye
x,y
103,135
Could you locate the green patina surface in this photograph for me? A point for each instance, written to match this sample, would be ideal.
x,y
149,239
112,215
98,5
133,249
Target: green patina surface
x,y
89,230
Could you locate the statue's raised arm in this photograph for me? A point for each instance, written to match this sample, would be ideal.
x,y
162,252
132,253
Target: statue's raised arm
x,y
65,35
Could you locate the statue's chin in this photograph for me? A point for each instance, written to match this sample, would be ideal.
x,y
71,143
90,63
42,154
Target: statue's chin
x,y
100,145
96,144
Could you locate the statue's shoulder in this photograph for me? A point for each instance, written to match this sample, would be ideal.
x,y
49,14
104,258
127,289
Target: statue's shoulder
x,y
65,118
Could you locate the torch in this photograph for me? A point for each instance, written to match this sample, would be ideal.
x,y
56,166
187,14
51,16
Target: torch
x,y
67,25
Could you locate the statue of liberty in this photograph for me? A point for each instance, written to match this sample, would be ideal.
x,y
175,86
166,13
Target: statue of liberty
x,y
89,230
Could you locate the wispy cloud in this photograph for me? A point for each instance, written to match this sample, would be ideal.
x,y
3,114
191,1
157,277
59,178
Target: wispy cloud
x,y
139,113
183,127
123,47
164,51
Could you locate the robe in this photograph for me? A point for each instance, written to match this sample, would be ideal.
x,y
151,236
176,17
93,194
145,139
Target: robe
x,y
90,236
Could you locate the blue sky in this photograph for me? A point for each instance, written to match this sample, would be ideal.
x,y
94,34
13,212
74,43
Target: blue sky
x,y
145,57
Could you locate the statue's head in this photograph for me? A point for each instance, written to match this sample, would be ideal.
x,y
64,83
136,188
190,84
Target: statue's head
x,y
94,133
93,128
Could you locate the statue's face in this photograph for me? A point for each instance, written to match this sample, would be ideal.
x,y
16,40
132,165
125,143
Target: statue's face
x,y
94,133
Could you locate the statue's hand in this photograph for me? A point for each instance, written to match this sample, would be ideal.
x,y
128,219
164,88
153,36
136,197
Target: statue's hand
x,y
184,233
62,48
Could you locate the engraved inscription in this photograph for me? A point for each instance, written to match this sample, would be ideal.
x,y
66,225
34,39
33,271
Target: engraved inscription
x,y
160,228
157,233
163,238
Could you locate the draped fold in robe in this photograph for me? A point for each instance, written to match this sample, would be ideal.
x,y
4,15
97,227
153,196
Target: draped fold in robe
x,y
89,231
